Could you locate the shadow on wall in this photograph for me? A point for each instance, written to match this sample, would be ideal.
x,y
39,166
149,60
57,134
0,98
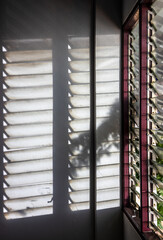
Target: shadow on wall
x,y
107,136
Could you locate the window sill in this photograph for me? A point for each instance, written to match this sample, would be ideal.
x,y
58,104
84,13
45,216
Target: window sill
x,y
136,223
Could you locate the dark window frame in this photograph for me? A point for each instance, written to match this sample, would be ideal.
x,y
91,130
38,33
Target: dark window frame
x,y
140,220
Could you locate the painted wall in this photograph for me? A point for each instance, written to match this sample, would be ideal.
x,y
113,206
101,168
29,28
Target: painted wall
x,y
129,231
58,19
108,22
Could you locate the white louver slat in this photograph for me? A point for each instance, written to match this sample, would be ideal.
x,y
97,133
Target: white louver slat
x,y
28,105
28,68
27,80
36,202
28,124
29,191
83,101
107,95
26,166
103,76
27,154
24,130
28,212
28,56
28,93
101,64
28,178
28,117
25,142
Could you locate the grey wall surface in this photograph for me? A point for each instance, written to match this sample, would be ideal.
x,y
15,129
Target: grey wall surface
x,y
129,231
57,20
127,8
108,22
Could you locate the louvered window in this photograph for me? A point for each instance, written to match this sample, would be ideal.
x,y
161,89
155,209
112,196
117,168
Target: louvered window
x,y
134,117
107,122
142,92
28,120
155,111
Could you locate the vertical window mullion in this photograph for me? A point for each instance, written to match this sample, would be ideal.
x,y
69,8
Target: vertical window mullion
x,y
143,118
1,132
93,119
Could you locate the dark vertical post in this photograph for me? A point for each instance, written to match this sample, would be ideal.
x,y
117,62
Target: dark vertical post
x,y
93,120
125,129
60,128
143,117
1,131
1,114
